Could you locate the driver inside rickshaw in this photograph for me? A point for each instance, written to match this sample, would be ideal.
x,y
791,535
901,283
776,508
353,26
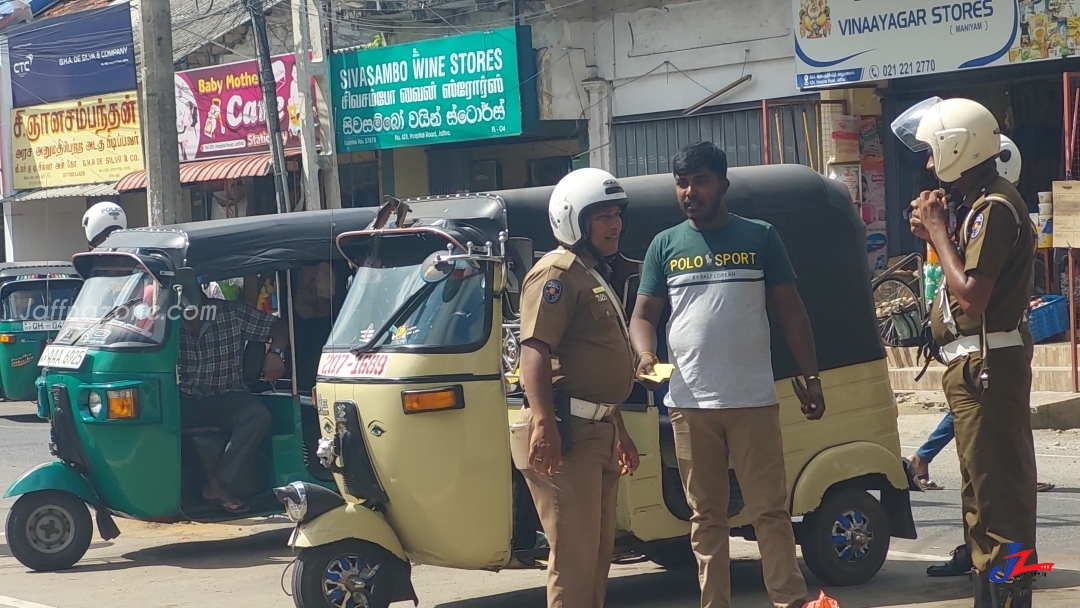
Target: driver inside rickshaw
x,y
214,334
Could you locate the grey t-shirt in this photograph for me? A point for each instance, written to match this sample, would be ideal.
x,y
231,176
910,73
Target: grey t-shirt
x,y
718,333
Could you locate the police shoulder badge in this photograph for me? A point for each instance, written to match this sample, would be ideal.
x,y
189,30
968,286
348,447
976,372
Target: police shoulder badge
x,y
977,225
553,290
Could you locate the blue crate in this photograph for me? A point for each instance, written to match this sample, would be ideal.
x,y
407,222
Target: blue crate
x,y
1049,319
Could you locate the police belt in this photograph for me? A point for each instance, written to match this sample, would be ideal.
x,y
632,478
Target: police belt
x,y
589,410
971,344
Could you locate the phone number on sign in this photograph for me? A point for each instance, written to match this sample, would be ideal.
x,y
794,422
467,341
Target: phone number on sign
x,y
906,68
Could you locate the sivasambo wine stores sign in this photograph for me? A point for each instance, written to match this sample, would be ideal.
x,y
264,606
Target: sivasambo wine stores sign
x,y
847,41
458,88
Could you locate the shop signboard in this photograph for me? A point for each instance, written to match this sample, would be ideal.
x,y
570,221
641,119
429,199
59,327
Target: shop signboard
x,y
840,42
219,109
80,55
82,141
458,88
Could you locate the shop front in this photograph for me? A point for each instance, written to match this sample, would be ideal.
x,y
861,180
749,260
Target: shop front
x,y
449,115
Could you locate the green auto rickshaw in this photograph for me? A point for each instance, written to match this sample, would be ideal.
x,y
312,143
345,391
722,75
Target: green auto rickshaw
x,y
34,299
110,379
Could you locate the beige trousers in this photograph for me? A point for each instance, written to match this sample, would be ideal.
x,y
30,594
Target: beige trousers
x,y
707,443
577,510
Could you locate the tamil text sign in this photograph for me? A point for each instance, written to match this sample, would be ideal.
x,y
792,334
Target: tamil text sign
x,y
846,41
72,57
84,141
457,88
219,110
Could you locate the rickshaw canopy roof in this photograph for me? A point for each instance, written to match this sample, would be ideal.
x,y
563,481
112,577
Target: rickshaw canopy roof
x,y
227,248
11,270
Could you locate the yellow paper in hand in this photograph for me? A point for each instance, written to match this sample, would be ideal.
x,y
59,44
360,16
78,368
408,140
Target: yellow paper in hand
x,y
662,371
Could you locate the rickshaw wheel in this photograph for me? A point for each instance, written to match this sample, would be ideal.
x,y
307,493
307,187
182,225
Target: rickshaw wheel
x,y
349,573
845,542
49,530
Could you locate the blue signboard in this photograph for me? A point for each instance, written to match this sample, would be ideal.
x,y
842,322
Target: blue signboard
x,y
74,56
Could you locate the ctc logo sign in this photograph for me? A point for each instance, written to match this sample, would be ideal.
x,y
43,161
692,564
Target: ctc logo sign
x,y
22,68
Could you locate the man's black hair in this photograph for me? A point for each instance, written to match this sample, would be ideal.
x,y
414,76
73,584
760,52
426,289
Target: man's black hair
x,y
702,155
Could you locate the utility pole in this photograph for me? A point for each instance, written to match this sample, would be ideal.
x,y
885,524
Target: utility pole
x,y
308,36
158,99
302,44
270,103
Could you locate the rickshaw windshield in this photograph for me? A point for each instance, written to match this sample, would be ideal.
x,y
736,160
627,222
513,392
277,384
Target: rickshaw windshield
x,y
38,300
446,314
118,305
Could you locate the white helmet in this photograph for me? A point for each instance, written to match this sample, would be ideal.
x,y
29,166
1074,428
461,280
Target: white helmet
x,y
103,218
574,195
960,133
1008,161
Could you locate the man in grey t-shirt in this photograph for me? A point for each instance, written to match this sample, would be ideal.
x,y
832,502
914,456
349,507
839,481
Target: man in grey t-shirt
x,y
719,270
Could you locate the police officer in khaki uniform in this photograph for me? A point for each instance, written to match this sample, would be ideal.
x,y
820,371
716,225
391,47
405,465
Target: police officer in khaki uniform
x,y
979,324
576,368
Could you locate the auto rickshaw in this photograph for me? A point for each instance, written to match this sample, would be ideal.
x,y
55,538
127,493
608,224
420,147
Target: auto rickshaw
x,y
110,381
34,299
417,385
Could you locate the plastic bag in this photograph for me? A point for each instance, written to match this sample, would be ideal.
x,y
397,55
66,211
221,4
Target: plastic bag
x,y
823,601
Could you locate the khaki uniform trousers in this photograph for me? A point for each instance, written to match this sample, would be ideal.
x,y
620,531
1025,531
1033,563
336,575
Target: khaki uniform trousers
x,y
577,510
997,453
707,442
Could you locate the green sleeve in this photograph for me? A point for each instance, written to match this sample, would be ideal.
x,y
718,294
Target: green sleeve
x,y
653,281
778,268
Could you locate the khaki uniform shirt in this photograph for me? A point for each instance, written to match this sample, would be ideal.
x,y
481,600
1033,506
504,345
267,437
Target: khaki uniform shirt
x,y
563,306
997,247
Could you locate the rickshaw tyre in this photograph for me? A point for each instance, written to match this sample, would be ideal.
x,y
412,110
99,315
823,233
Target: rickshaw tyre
x,y
312,563
22,548
815,538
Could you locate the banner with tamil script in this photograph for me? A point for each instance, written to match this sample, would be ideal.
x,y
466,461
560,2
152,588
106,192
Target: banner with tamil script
x,y
83,141
839,42
457,88
219,109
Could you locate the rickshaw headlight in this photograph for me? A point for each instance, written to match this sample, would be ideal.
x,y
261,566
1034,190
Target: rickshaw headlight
x,y
7,338
433,400
94,403
123,403
295,498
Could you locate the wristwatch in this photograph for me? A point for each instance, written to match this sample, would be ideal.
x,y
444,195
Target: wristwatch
x,y
278,352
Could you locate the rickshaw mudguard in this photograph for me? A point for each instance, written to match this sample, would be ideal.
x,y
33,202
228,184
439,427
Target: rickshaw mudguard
x,y
850,461
53,476
350,520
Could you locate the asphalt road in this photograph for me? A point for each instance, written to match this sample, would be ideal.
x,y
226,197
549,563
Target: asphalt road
x,y
242,564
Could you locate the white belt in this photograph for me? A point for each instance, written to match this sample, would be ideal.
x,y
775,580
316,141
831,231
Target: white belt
x,y
589,410
970,344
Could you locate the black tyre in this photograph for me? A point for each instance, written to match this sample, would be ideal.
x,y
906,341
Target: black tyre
x,y
349,573
672,555
846,540
49,530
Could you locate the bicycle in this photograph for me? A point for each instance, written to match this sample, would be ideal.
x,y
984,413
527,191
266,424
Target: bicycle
x,y
900,302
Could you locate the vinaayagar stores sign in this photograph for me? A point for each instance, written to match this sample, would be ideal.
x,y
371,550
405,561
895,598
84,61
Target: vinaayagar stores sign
x,y
458,88
70,143
839,42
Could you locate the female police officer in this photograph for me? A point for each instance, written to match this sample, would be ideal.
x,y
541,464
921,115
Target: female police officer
x,y
979,323
570,314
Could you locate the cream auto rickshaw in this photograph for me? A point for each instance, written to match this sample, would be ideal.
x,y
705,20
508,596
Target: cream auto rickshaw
x,y
417,386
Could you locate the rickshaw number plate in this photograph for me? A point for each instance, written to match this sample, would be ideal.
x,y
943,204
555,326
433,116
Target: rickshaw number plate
x,y
62,357
42,325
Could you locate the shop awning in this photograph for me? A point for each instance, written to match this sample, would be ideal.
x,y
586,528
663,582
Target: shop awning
x,y
40,194
251,165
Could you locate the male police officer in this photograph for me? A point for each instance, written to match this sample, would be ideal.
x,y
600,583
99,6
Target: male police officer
x,y
101,220
980,325
569,313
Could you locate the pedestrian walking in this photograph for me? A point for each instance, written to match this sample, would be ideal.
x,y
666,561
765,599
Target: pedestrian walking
x,y
570,443
719,271
979,323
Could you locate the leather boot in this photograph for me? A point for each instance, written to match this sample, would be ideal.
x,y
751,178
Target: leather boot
x,y
1011,595
983,597
959,565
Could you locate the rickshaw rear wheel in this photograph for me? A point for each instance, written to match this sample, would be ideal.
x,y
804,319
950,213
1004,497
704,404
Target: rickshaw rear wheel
x,y
349,573
845,542
49,530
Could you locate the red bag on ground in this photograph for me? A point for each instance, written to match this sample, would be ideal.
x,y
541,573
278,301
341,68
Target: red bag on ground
x,y
823,601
